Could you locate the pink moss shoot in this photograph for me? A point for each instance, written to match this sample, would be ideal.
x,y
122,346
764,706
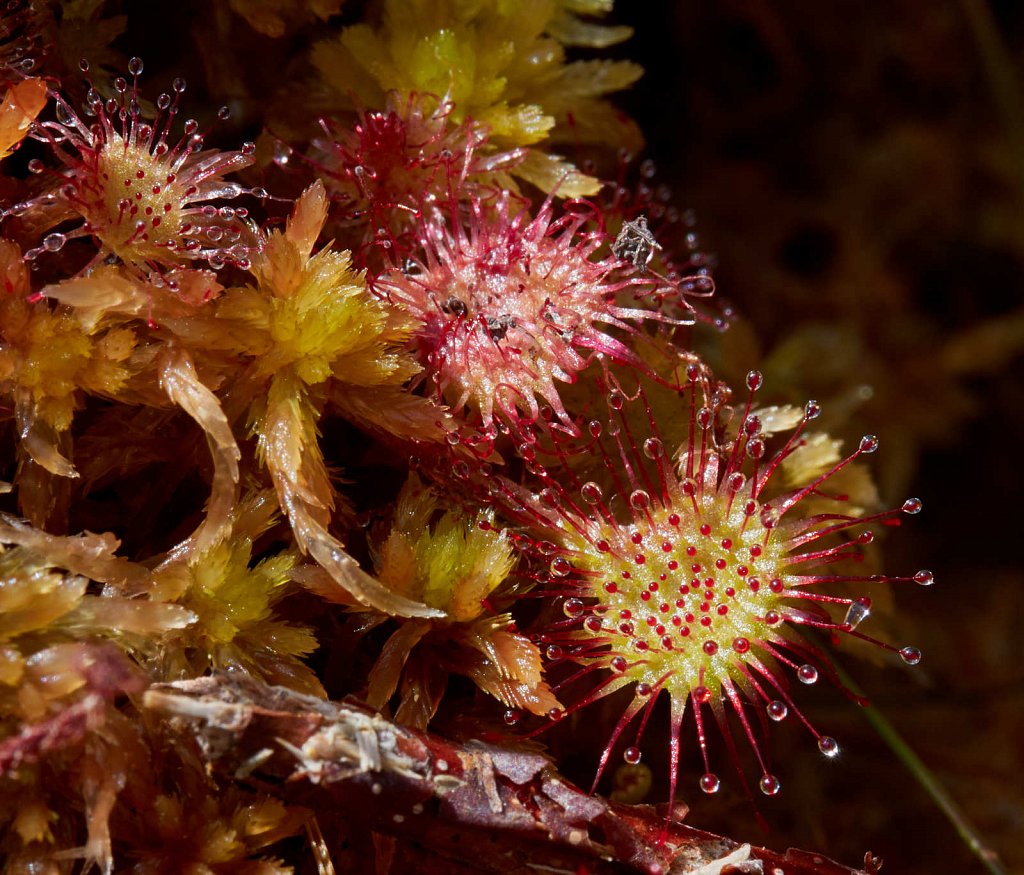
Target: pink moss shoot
x,y
509,305
143,200
693,574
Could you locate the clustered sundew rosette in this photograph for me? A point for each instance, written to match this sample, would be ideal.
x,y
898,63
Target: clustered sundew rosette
x,y
585,508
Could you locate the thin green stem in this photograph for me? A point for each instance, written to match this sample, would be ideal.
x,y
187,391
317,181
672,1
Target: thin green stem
x,y
940,796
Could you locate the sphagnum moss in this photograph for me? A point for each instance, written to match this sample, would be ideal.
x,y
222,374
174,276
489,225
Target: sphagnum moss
x,y
226,396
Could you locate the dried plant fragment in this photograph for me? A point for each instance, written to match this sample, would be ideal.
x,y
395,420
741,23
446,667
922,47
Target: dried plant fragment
x,y
454,804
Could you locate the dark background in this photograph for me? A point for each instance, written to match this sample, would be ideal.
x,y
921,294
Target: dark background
x,y
857,170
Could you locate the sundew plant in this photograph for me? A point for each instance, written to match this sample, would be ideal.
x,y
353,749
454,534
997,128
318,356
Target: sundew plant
x,y
388,483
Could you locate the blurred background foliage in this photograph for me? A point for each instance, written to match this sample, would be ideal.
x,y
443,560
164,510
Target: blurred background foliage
x,y
856,170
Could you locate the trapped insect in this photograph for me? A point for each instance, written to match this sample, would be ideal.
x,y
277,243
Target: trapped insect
x,y
635,243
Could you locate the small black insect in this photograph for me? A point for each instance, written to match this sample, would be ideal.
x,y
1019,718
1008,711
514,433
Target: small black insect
x,y
455,306
498,327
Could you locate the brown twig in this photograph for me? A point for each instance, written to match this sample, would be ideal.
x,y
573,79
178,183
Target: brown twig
x,y
458,808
